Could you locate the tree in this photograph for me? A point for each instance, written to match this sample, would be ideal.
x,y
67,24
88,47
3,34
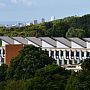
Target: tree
x,y
84,76
3,69
75,32
86,64
27,62
72,83
53,77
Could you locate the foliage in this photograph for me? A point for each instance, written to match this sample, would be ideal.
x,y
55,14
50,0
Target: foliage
x,y
50,77
32,69
72,83
54,77
27,62
82,79
86,64
75,33
3,69
56,28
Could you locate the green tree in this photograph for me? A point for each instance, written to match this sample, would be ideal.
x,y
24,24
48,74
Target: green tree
x,y
54,77
72,82
75,33
15,85
3,69
84,76
86,64
27,62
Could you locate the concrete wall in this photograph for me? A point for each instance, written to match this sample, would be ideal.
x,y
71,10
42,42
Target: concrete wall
x,y
88,44
29,42
75,45
45,44
4,43
60,45
16,42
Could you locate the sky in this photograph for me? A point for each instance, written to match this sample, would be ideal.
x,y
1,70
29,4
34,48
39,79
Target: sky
x,y
28,10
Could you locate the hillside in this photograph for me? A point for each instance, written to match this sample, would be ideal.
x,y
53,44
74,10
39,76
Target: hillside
x,y
68,27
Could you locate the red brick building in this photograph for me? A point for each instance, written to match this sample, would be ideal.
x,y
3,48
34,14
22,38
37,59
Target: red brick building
x,y
11,51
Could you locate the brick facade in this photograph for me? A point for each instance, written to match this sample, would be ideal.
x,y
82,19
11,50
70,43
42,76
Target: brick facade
x,y
11,51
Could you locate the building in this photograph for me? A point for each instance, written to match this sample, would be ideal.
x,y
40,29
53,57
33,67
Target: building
x,y
35,22
19,40
27,24
11,51
42,20
34,41
52,18
66,51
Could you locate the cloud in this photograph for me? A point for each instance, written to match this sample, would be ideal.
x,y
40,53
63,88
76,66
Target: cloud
x,y
2,5
24,2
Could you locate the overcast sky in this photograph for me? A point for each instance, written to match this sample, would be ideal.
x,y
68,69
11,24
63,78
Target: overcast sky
x,y
28,10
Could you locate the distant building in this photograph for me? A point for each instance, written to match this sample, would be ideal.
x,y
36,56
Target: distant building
x,y
35,22
27,24
42,20
20,25
52,18
13,25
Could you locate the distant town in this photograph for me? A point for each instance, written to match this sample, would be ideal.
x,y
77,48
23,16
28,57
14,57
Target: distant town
x,y
22,24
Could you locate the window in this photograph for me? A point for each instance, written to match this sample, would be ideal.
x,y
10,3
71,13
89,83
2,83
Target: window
x,y
3,52
60,62
82,54
2,60
61,53
57,54
67,54
77,54
0,51
88,54
52,54
72,54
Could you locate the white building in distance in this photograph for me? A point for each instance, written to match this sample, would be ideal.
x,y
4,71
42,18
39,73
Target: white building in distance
x,y
52,18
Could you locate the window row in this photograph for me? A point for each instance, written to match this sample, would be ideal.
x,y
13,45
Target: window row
x,y
68,54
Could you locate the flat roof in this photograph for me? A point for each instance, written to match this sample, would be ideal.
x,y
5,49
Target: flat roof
x,y
87,39
7,39
63,41
21,40
79,41
35,40
49,40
